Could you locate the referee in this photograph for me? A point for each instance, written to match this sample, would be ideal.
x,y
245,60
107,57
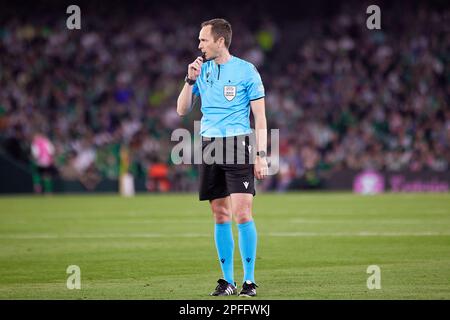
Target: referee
x,y
226,88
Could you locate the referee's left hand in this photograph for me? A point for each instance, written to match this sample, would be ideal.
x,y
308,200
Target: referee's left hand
x,y
261,168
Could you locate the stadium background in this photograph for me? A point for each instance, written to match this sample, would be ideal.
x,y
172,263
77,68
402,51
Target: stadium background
x,y
346,99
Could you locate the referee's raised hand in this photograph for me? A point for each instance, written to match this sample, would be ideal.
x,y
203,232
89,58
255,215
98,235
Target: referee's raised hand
x,y
194,68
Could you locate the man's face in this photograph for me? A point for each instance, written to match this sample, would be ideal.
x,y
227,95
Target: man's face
x,y
207,45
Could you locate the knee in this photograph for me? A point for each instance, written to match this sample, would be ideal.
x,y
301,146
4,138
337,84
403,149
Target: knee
x,y
221,213
242,218
242,215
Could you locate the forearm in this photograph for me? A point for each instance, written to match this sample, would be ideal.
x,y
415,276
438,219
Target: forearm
x,y
184,101
261,133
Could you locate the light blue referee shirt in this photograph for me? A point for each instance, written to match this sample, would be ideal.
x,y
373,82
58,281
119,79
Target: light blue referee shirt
x,y
226,91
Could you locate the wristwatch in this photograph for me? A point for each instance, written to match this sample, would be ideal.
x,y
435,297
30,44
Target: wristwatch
x,y
189,81
261,154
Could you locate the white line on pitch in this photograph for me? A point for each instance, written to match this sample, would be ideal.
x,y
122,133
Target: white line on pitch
x,y
357,234
353,221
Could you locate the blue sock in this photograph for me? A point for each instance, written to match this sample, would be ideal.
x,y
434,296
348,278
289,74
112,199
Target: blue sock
x,y
223,236
247,246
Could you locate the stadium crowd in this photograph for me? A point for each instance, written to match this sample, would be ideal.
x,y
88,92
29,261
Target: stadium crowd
x,y
342,96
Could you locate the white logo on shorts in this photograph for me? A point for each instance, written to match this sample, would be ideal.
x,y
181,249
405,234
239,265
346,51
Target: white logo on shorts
x,y
229,92
246,184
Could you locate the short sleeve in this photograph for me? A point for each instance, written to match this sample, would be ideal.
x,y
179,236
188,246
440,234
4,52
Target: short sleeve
x,y
255,87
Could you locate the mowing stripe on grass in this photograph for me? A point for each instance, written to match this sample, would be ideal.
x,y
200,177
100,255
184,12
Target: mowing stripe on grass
x,y
203,235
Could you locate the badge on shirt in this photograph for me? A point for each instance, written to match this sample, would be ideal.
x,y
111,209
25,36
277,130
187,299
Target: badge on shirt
x,y
229,92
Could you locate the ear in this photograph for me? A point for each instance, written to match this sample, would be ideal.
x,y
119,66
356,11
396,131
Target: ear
x,y
221,41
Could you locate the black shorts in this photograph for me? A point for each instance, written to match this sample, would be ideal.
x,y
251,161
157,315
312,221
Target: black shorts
x,y
224,174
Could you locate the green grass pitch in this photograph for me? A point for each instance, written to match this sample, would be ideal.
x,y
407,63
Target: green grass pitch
x,y
311,246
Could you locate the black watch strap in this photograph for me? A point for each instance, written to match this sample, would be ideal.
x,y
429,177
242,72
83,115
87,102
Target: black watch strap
x,y
189,81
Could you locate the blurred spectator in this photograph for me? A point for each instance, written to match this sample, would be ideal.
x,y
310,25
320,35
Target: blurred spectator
x,y
42,151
